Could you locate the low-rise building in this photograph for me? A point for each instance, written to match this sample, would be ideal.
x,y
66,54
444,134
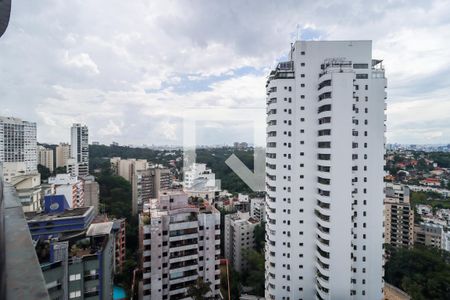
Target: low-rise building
x,y
423,209
433,182
398,216
239,238
180,241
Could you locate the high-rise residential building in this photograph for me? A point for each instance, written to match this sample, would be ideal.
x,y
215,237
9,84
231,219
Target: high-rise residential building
x,y
62,154
79,148
180,242
18,146
45,157
147,184
239,238
126,168
324,165
398,216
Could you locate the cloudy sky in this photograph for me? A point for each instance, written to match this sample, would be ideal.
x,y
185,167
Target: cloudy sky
x,y
130,70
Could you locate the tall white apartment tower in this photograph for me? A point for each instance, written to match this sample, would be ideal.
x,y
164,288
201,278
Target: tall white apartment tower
x,y
79,148
18,145
324,165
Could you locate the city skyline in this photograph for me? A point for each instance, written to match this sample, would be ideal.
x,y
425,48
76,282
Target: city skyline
x,y
127,80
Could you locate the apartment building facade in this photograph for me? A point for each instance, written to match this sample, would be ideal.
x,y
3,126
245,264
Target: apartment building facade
x,y
428,234
45,157
258,208
239,238
398,216
62,155
180,242
324,173
127,167
147,184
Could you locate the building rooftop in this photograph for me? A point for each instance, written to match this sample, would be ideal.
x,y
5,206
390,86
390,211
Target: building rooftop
x,y
100,228
70,213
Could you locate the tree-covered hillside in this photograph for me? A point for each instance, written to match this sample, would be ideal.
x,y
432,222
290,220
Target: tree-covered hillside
x,y
214,158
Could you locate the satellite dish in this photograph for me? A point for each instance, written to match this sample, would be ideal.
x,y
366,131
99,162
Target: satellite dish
x,y
5,12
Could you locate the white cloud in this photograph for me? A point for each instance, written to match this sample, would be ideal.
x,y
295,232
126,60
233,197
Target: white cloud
x,y
111,129
81,61
129,69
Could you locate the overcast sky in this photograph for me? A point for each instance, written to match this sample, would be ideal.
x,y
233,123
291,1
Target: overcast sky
x,y
131,69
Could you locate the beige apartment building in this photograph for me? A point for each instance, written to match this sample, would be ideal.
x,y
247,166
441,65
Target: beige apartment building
x,y
45,157
62,154
428,234
398,216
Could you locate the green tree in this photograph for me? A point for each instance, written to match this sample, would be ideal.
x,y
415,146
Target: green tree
x,y
60,170
260,236
44,171
199,290
422,272
254,276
